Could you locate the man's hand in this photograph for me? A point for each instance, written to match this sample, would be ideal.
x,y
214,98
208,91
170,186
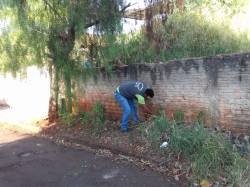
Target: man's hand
x,y
146,109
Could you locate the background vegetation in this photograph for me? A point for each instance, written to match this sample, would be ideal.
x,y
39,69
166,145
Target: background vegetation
x,y
205,28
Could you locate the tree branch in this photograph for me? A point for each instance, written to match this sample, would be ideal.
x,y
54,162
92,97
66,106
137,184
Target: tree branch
x,y
121,12
53,9
96,22
125,7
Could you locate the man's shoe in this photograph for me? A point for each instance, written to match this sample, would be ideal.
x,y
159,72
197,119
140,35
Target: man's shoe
x,y
126,130
136,124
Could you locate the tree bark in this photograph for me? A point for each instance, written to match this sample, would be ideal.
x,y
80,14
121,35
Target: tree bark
x,y
54,93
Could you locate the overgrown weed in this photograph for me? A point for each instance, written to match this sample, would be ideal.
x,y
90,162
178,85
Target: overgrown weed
x,y
210,153
94,119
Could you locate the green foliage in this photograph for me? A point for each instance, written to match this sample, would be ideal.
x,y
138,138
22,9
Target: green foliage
x,y
98,118
95,118
126,49
24,41
233,6
239,172
192,35
49,28
214,155
179,117
210,153
154,129
189,34
67,120
85,118
108,13
45,32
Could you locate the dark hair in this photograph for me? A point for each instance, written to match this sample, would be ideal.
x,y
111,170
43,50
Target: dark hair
x,y
149,92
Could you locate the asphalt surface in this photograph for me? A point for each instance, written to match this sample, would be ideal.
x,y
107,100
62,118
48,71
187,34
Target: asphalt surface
x,y
28,161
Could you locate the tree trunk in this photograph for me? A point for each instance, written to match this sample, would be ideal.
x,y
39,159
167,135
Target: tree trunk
x,y
68,93
54,93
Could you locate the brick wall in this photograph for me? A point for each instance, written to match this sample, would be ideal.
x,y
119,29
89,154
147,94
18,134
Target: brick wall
x,y
217,86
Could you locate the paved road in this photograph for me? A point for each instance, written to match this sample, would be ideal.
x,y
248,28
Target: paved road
x,y
27,161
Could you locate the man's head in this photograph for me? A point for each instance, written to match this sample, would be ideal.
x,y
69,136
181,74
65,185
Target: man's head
x,y
149,93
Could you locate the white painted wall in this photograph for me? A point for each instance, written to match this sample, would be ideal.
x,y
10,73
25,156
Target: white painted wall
x,y
28,98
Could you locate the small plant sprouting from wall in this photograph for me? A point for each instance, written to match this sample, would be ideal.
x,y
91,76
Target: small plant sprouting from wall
x,y
98,118
201,116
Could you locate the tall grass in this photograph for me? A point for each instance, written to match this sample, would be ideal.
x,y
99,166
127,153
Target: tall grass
x,y
210,153
192,35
